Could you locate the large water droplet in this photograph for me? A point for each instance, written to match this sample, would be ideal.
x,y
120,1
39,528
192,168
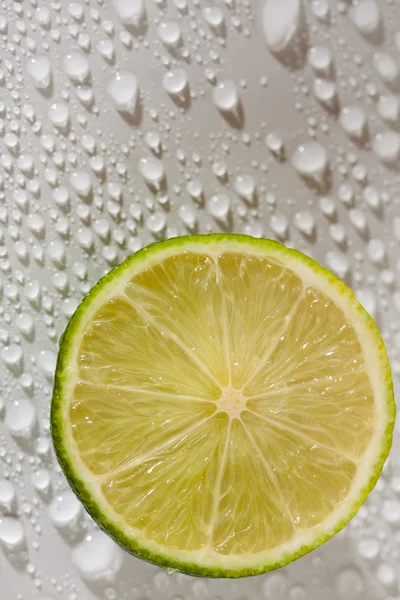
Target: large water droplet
x,y
12,535
123,89
349,583
219,206
387,68
97,558
353,119
365,15
225,96
8,497
21,418
387,146
39,68
311,161
175,82
130,12
77,67
169,33
281,21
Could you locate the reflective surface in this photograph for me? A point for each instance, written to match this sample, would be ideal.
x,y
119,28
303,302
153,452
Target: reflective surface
x,y
125,122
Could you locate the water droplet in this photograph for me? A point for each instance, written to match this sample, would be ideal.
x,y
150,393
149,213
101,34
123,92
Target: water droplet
x,y
275,145
368,548
65,511
225,96
376,250
39,68
391,511
387,146
305,222
25,324
169,33
41,481
311,161
279,225
152,170
123,89
195,189
275,586
349,583
153,140
129,13
13,357
21,418
325,92
320,9
187,215
281,22
387,68
46,361
320,59
12,535
175,82
77,67
365,16
353,119
372,197
338,263
214,17
386,575
156,223
389,108
97,558
81,182
59,115
8,497
245,187
106,49
219,206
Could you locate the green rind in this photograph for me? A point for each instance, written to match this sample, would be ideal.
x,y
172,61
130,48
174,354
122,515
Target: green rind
x,y
79,486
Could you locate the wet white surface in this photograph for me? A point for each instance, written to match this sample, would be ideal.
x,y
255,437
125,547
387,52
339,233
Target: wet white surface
x,y
126,122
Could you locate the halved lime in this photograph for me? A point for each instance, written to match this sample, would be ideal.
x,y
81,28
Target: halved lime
x,y
222,404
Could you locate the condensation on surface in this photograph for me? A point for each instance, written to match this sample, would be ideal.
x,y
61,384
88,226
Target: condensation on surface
x,y
122,123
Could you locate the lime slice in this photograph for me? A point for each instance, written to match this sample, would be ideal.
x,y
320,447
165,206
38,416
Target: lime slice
x,y
222,404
